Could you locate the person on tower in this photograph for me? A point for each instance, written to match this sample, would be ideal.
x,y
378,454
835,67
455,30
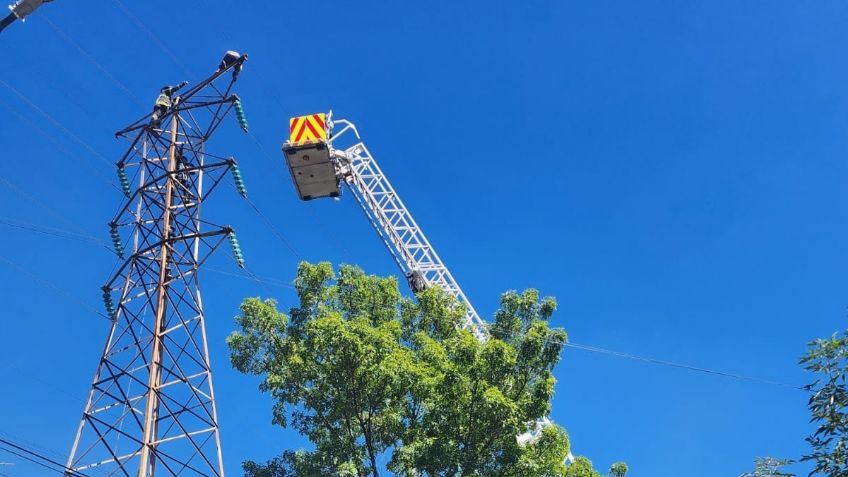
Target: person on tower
x,y
163,103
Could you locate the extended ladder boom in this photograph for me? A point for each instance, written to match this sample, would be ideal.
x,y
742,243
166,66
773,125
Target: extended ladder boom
x,y
396,227
319,161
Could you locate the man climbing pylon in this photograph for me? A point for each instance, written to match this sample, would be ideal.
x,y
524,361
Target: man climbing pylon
x,y
163,103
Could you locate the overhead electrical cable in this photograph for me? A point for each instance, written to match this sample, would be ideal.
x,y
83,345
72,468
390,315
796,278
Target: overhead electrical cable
x,y
70,296
141,26
66,38
30,459
279,165
10,222
273,229
249,275
50,463
31,445
98,172
57,123
265,219
662,362
31,199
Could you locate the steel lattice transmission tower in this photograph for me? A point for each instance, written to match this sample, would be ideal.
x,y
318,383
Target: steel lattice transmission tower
x,y
151,409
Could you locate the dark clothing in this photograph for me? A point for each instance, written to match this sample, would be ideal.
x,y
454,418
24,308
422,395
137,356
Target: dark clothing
x,y
163,103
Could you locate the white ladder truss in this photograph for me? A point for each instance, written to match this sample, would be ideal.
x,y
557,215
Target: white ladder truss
x,y
401,235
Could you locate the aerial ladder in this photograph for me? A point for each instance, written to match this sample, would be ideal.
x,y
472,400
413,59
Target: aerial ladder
x,y
322,156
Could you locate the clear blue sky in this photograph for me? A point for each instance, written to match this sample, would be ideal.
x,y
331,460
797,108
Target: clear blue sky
x,y
673,172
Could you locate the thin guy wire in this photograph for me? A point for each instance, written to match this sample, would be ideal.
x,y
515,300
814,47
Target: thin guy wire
x,y
51,285
249,275
661,362
277,164
31,460
141,26
32,445
176,60
59,146
67,470
593,349
273,229
268,222
35,200
65,37
57,123
20,224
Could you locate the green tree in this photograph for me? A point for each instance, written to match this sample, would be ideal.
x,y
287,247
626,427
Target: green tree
x,y
828,404
362,372
335,369
769,467
480,395
581,467
619,469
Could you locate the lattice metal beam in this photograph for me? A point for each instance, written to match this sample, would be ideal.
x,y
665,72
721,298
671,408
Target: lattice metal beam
x,y
151,408
398,230
396,227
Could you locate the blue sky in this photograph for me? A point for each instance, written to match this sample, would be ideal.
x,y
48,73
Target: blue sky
x,y
673,172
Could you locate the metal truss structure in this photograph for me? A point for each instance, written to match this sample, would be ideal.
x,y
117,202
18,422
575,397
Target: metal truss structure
x,y
402,236
151,409
392,221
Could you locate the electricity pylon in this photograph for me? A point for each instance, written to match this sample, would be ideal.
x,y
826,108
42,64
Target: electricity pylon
x,y
151,409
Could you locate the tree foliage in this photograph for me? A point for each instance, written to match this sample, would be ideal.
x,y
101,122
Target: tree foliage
x,y
581,467
828,404
618,469
363,372
769,467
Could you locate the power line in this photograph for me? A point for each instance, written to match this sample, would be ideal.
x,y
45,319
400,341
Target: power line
x,y
35,200
43,281
20,224
31,445
661,362
273,229
59,146
594,349
249,275
268,223
277,164
141,26
66,38
55,122
31,460
65,470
